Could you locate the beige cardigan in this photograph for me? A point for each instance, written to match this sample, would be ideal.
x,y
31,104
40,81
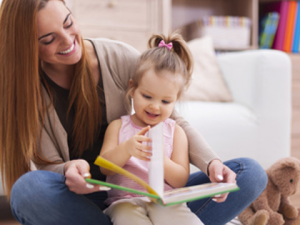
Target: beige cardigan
x,y
117,62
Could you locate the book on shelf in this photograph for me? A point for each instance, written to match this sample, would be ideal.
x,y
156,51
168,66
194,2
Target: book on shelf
x,y
289,27
268,27
296,39
280,7
154,190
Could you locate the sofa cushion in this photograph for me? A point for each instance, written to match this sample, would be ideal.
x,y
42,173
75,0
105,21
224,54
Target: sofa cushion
x,y
207,81
231,129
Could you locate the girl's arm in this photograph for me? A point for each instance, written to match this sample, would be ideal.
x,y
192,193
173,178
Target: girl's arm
x,y
177,168
119,154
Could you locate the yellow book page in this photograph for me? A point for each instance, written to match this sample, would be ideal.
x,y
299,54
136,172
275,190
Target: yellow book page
x,y
113,167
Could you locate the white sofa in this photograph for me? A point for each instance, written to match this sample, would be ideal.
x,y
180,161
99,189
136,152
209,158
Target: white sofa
x,y
257,123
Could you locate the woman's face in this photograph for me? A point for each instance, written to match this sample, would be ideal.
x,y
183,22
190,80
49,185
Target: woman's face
x,y
58,34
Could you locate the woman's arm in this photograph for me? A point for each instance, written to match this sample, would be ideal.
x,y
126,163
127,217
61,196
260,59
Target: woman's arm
x,y
202,156
119,154
177,168
200,153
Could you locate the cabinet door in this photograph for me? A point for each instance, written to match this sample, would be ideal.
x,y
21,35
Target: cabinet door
x,y
131,21
137,39
122,14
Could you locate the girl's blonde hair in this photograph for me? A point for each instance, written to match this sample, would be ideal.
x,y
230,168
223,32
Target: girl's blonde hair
x,y
177,60
23,107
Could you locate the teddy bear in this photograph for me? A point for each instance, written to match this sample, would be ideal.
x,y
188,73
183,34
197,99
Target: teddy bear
x,y
273,207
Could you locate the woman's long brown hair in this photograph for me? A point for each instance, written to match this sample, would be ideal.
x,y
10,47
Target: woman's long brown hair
x,y
23,107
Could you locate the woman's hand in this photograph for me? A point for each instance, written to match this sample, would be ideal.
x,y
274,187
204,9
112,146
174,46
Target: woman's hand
x,y
136,148
218,172
75,172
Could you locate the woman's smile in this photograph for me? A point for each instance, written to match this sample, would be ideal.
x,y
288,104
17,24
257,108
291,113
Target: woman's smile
x,y
70,50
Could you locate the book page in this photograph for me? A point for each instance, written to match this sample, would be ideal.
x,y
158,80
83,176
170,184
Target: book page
x,y
113,167
156,165
191,193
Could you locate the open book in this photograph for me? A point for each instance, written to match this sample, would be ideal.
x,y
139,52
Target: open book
x,y
154,190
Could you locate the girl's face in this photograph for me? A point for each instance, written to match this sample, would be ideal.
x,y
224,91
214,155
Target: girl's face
x,y
154,98
58,35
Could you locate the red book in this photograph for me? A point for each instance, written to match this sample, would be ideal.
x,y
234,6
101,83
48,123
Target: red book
x,y
290,24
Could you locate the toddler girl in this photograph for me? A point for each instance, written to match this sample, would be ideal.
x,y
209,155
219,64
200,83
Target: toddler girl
x,y
161,76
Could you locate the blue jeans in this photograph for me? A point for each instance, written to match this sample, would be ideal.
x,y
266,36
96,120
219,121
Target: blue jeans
x,y
41,197
250,177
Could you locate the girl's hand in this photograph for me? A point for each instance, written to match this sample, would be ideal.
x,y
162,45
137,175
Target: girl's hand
x,y
218,172
136,148
75,172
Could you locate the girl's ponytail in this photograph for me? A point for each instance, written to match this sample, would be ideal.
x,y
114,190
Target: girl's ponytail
x,y
179,47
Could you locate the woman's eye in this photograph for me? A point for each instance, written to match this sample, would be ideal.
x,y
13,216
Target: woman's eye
x,y
46,42
69,24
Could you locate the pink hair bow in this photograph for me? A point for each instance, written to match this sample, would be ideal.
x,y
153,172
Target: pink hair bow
x,y
163,44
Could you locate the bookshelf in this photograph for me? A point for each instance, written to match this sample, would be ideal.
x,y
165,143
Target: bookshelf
x,y
184,12
295,132
295,128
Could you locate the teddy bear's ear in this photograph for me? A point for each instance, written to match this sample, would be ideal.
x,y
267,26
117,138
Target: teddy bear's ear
x,y
287,162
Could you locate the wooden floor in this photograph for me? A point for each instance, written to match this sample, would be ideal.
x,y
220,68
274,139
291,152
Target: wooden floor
x,y
6,217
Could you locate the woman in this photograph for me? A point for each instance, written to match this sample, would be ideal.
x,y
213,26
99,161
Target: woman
x,y
58,93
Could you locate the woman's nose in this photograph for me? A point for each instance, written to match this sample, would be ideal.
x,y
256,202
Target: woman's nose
x,y
67,39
